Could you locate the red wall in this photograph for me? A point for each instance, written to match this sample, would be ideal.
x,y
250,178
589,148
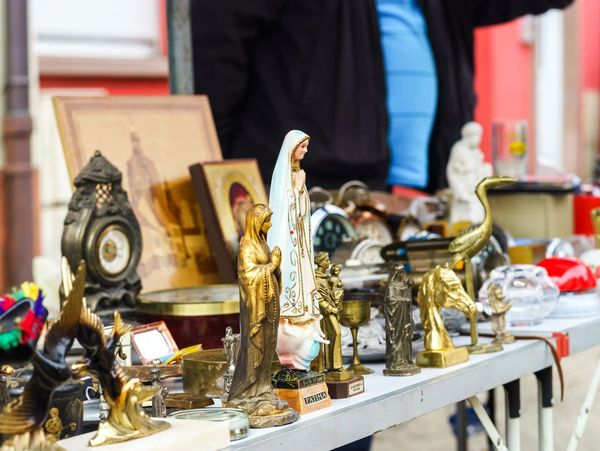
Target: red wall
x,y
115,86
503,71
589,20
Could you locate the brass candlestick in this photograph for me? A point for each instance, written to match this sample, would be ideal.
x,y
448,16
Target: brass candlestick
x,y
356,313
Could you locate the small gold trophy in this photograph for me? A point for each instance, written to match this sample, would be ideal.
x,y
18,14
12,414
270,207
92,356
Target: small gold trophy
x,y
356,313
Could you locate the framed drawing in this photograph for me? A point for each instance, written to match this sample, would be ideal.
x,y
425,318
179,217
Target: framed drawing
x,y
152,140
226,190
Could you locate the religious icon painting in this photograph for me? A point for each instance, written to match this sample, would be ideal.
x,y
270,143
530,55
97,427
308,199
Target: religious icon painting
x,y
226,190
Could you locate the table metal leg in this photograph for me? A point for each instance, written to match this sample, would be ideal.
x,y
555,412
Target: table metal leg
x,y
490,406
512,392
545,403
584,413
461,426
487,424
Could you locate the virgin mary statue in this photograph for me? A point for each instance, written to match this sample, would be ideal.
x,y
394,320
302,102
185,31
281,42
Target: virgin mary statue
x,y
251,388
300,333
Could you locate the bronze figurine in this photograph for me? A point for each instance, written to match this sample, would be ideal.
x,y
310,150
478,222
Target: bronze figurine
x,y
499,307
159,405
231,348
331,295
441,288
398,325
258,276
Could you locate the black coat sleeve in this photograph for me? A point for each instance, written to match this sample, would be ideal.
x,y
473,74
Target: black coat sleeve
x,y
490,12
224,33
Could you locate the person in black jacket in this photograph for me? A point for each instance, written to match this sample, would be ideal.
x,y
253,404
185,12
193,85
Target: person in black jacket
x,y
269,66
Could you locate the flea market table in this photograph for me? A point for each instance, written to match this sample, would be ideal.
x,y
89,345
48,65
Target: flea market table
x,y
389,401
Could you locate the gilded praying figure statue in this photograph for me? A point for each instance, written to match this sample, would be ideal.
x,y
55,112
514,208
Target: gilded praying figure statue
x,y
258,274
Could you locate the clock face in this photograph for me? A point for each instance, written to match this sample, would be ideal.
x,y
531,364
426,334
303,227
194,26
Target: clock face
x,y
113,250
374,230
331,233
371,255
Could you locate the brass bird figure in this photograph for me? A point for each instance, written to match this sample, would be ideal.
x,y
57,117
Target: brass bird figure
x,y
470,241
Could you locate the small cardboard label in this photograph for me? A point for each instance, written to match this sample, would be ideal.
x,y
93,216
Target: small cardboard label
x,y
356,387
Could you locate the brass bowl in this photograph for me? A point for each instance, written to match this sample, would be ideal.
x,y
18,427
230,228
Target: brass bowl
x,y
203,372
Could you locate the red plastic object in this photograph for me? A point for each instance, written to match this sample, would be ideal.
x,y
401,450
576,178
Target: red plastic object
x,y
563,345
569,273
582,205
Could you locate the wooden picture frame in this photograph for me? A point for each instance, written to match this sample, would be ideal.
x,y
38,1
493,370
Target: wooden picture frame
x,y
153,341
152,140
225,191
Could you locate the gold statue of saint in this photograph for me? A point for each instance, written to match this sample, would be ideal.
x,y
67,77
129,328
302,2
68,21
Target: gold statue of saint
x,y
258,274
331,295
441,288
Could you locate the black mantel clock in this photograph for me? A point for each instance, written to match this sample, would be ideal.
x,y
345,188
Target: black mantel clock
x,y
102,229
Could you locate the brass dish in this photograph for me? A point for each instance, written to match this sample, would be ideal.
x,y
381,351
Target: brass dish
x,y
205,300
203,372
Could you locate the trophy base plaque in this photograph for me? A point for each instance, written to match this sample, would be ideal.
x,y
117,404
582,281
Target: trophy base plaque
x,y
407,369
442,358
346,389
304,391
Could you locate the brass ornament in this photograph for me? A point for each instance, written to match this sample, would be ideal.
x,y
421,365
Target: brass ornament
x,y
441,288
22,420
468,243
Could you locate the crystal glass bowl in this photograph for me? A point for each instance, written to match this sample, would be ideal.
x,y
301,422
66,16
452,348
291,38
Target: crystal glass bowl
x,y
531,292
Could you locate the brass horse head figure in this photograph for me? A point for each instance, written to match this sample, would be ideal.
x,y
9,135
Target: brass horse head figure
x,y
441,288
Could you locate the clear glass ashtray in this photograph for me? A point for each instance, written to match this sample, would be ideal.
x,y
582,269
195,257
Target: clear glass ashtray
x,y
533,295
237,419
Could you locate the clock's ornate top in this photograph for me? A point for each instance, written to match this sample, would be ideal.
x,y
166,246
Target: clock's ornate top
x,y
98,170
98,187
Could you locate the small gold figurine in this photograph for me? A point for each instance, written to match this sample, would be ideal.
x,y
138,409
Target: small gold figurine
x,y
398,325
468,243
258,275
330,304
441,288
341,383
499,308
